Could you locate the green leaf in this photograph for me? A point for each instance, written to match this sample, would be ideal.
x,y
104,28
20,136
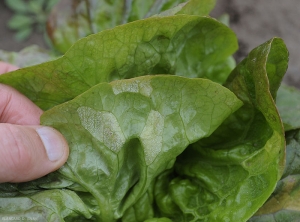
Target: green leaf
x,y
191,7
197,7
50,205
156,45
23,34
20,22
288,103
126,133
229,175
17,5
123,134
142,209
35,6
193,50
163,219
71,20
225,19
50,4
283,205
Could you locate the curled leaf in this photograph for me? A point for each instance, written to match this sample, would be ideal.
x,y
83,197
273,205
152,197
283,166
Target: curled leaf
x,y
288,103
230,174
123,134
283,204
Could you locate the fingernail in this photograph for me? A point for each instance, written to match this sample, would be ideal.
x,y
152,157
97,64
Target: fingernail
x,y
52,143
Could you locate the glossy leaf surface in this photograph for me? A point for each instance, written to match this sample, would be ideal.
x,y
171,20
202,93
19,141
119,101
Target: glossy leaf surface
x,y
123,134
50,205
284,205
72,20
160,148
184,45
229,175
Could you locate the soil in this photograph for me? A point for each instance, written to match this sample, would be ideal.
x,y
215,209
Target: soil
x,y
257,21
254,22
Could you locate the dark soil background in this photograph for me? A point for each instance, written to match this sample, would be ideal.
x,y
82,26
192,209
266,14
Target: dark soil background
x,y
254,22
7,40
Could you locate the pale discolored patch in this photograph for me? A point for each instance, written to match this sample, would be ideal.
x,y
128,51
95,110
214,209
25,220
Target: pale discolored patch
x,y
136,86
151,136
103,126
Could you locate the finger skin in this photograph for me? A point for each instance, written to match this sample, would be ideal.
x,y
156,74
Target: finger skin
x,y
15,108
6,67
23,156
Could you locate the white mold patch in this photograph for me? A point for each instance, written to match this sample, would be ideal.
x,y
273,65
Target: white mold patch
x,y
103,126
135,86
151,136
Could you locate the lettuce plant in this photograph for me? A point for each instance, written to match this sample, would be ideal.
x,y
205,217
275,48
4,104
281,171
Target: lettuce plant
x,y
161,125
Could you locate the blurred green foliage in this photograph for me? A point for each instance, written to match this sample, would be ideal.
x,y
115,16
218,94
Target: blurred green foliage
x,y
29,15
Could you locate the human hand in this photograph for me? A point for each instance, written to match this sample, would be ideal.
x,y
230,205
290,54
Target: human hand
x,y
27,150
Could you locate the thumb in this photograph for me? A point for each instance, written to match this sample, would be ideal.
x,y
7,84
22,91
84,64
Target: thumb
x,y
30,152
